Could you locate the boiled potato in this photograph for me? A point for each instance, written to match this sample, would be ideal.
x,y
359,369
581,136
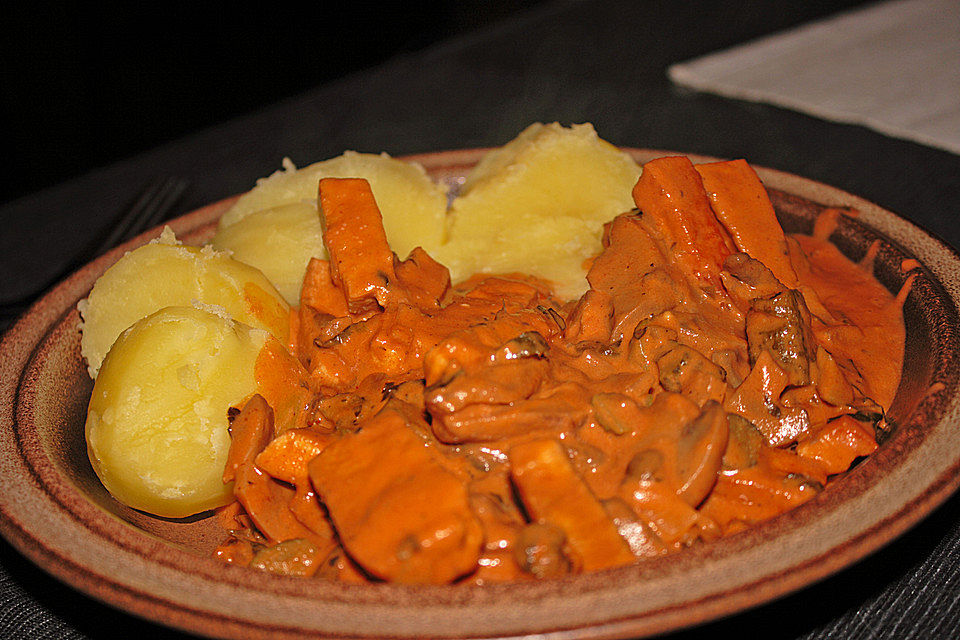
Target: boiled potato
x,y
279,242
157,421
165,273
537,205
413,206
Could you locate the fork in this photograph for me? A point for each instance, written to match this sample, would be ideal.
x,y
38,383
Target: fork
x,y
149,210
152,206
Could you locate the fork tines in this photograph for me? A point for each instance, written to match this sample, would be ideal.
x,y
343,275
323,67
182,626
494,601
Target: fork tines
x,y
149,210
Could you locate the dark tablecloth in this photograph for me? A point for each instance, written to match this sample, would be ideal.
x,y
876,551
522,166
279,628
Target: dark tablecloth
x,y
602,62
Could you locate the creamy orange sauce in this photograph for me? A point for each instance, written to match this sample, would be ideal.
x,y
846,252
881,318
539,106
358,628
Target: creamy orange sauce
x,y
909,265
716,374
827,221
870,257
870,330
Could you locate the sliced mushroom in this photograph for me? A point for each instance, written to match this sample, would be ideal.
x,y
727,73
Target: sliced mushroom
x,y
832,384
529,344
539,550
615,412
753,279
642,539
781,326
685,370
743,445
700,450
646,466
650,341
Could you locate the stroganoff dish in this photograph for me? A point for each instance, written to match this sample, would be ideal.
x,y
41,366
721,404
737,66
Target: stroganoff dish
x,y
407,421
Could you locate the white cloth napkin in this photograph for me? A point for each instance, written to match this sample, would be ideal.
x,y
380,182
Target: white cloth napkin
x,y
892,66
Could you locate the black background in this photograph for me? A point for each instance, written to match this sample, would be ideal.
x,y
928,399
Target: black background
x,y
87,85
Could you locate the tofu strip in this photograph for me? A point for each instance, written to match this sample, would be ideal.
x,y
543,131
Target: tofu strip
x,y
399,512
552,492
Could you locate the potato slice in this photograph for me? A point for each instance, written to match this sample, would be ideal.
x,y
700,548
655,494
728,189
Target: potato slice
x,y
413,206
165,273
537,205
279,242
157,421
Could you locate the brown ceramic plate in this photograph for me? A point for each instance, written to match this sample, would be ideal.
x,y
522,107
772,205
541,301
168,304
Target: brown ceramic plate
x,y
54,510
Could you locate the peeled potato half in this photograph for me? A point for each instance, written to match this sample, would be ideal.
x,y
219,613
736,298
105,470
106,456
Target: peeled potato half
x,y
165,273
279,242
537,205
413,206
157,429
